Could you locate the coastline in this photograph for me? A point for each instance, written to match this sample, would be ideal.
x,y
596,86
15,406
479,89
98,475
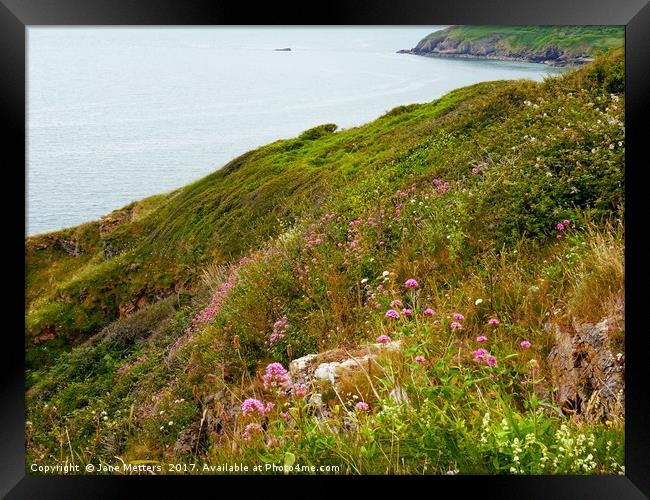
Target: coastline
x,y
574,63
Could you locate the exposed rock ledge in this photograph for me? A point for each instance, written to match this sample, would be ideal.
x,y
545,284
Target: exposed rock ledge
x,y
588,376
488,48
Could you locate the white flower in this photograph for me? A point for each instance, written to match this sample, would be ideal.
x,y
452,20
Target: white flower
x,y
364,280
385,274
478,301
170,423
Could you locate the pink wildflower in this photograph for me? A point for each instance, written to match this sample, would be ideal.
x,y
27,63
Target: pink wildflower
x,y
493,321
458,317
560,227
481,339
475,170
300,390
252,429
566,222
411,283
525,344
383,339
428,312
269,407
490,360
480,353
252,406
275,376
456,326
392,313
396,303
419,359
406,311
362,406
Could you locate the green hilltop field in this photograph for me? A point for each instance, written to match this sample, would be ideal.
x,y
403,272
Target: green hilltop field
x,y
151,334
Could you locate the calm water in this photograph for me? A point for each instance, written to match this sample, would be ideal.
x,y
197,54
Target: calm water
x,y
117,114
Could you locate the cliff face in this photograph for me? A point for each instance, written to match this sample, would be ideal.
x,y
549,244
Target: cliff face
x,y
551,45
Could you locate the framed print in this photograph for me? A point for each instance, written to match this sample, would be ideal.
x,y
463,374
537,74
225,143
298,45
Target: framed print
x,y
380,241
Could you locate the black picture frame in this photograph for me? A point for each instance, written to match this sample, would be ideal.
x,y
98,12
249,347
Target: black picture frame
x,y
17,15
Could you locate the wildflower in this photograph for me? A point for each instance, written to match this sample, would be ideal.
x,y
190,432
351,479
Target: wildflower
x,y
269,407
411,283
481,339
419,359
364,281
493,322
170,423
428,311
385,274
525,344
560,227
479,354
406,311
284,415
250,430
490,360
478,302
383,339
566,222
299,390
456,326
396,303
458,317
275,376
252,406
475,170
392,313
362,406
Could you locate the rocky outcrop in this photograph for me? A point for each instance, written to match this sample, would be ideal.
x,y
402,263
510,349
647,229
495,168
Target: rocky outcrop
x,y
71,247
493,47
587,375
331,366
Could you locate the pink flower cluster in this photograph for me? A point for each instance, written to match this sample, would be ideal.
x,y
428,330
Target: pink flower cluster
x,y
383,339
429,312
392,313
275,375
441,186
420,359
411,283
525,344
493,322
483,356
362,406
252,406
457,325
251,429
279,329
299,390
562,227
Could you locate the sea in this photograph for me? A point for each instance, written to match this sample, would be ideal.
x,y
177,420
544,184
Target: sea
x,y
116,114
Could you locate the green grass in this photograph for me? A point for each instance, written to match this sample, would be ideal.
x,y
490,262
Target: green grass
x,y
305,228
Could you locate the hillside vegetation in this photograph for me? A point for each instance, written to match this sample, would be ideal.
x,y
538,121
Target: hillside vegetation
x,y
464,244
555,45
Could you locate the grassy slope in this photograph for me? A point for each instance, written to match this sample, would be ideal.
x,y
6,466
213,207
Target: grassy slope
x,y
572,39
545,152
215,219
